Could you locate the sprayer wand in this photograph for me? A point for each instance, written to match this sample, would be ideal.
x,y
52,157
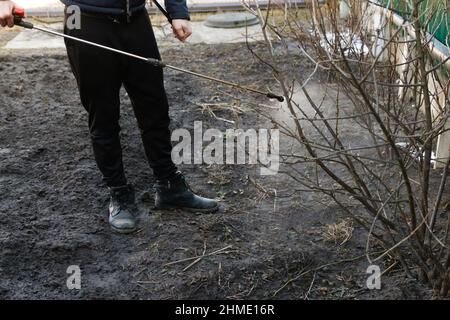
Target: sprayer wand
x,y
19,15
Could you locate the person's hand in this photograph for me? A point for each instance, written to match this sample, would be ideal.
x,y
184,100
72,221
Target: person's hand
x,y
6,13
181,29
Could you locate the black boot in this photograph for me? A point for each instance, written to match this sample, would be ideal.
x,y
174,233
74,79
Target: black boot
x,y
176,194
121,206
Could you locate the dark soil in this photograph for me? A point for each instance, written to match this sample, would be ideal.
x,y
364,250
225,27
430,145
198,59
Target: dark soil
x,y
53,203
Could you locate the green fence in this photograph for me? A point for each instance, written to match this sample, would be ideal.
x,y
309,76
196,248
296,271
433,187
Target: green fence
x,y
435,12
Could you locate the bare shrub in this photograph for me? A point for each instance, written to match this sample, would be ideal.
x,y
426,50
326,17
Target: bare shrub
x,y
365,137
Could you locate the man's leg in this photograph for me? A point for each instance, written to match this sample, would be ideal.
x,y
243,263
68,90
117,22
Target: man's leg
x,y
145,86
99,78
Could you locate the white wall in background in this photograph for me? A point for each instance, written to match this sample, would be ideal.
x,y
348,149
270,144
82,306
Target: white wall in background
x,y
28,4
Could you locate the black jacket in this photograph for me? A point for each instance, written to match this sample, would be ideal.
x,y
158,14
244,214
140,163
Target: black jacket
x,y
177,8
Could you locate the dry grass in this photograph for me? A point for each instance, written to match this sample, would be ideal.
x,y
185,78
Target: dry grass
x,y
338,233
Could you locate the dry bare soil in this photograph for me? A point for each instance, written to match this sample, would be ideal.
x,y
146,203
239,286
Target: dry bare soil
x,y
53,203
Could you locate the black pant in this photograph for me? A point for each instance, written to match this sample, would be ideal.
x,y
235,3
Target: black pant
x,y
100,75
